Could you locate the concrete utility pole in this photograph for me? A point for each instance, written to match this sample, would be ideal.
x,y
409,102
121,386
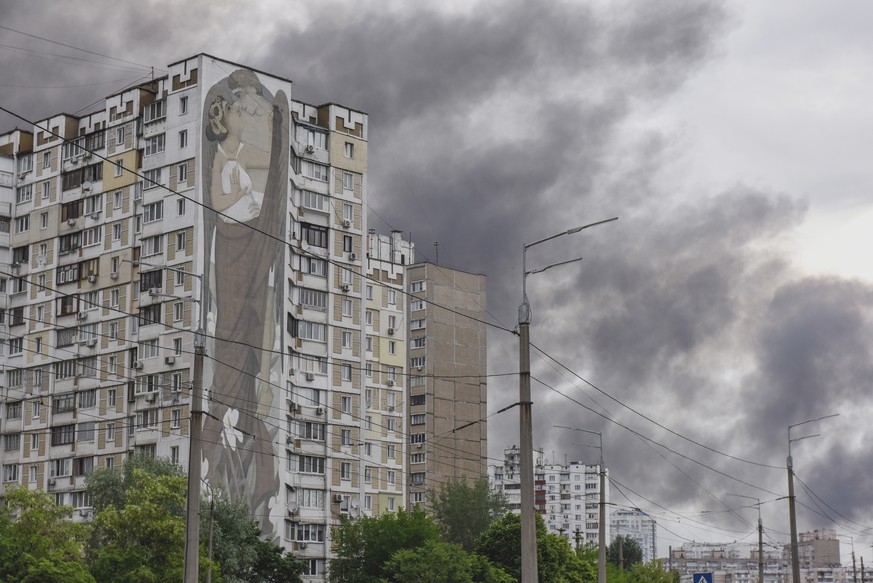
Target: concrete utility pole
x,y
192,523
529,572
792,517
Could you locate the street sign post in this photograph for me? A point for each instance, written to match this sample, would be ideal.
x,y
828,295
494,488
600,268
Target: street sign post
x,y
702,578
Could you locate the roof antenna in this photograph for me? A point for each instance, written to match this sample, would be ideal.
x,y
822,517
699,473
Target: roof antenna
x,y
436,247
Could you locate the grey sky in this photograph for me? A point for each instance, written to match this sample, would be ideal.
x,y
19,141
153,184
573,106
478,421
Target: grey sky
x,y
733,297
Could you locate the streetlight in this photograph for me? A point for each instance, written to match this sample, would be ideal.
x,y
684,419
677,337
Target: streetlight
x,y
601,530
528,512
760,536
792,517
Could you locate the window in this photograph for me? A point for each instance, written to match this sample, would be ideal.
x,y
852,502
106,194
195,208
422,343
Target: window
x,y
392,452
310,331
345,471
346,404
111,396
314,235
86,432
24,194
313,266
307,464
21,254
183,105
10,472
416,305
392,321
368,369
419,342
22,224
315,201
416,324
175,419
147,419
369,291
113,298
116,233
347,307
16,345
314,299
178,311
34,470
392,376
391,477
417,419
154,145
92,236
416,286
152,245
174,455
346,276
119,167
349,150
154,111
391,424
348,212
151,178
148,348
47,159
346,339
392,347
348,181
182,172
418,458
63,435
88,398
93,204
177,346
180,241
12,442
119,135
417,478
417,400
153,212
369,317
316,139
310,498
417,361
183,139
43,221
346,372
13,410
313,170
417,438
313,567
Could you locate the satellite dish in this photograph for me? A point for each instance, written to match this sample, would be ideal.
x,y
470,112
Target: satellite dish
x,y
356,503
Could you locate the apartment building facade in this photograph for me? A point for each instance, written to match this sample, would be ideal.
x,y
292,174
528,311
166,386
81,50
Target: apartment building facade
x,y
204,206
567,495
639,526
447,394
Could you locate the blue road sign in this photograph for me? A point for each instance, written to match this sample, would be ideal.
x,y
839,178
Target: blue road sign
x,y
701,578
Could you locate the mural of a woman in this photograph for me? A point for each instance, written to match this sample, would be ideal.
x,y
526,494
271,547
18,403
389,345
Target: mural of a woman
x,y
245,178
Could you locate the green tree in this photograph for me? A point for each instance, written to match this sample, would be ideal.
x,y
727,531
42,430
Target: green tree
x,y
651,572
556,560
464,511
38,542
240,554
624,552
433,562
142,541
364,545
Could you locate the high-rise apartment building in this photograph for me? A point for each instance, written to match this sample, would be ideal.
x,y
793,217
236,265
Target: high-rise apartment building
x,y
208,205
639,526
447,393
567,496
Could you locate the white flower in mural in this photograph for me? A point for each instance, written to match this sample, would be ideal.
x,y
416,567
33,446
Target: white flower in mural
x,y
230,435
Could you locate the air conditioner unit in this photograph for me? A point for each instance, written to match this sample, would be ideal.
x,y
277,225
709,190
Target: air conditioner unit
x,y
345,287
137,365
289,439
310,376
71,222
92,278
391,408
353,256
82,315
390,382
347,223
52,482
337,498
292,371
418,445
390,331
310,148
92,342
86,186
319,411
95,215
154,291
151,397
113,275
86,155
170,360
293,511
419,367
303,546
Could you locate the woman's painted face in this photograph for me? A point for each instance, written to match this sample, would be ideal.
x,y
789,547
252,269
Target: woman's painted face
x,y
233,118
